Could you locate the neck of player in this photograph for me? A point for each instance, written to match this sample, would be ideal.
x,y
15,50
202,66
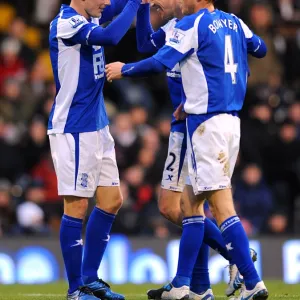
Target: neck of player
x,y
203,4
76,5
178,13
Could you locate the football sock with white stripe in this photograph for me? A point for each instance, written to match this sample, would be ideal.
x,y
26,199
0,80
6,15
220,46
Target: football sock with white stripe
x,y
71,247
237,245
190,243
200,282
97,238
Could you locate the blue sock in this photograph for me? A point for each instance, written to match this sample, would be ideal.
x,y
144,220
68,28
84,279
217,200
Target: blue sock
x,y
238,245
200,282
71,247
213,238
97,237
190,243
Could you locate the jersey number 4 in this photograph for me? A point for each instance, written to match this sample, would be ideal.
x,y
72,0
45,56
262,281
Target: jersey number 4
x,y
230,66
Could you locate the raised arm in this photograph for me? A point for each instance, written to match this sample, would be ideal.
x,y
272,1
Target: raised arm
x,y
112,10
148,41
83,32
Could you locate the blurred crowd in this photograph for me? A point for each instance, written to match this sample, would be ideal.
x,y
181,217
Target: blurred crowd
x,y
266,183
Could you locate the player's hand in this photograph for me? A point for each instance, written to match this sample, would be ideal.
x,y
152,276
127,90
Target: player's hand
x,y
146,1
179,114
114,71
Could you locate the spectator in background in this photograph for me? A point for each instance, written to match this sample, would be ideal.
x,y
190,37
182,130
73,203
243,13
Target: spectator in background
x,y
141,191
127,141
262,20
282,166
258,131
44,174
44,11
11,64
294,116
15,104
17,31
139,118
30,216
36,143
11,160
253,199
277,224
38,78
7,209
289,10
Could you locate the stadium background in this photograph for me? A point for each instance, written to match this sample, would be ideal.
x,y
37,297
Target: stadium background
x,y
266,182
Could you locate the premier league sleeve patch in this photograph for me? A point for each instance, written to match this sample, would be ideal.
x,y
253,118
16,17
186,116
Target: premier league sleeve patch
x,y
176,37
76,21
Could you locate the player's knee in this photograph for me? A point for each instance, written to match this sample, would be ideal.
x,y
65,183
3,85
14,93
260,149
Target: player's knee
x,y
192,207
112,205
75,207
116,204
170,212
222,212
185,208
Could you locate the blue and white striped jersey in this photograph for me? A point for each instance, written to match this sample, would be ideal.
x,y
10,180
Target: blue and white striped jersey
x,y
79,75
212,48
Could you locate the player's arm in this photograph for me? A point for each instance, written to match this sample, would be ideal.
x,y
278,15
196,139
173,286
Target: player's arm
x,y
148,41
82,32
255,45
112,10
179,45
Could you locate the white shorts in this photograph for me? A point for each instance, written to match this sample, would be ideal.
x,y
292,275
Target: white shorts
x,y
212,153
176,167
84,161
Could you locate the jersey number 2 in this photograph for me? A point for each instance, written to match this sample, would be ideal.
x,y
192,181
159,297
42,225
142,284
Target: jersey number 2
x,y
230,66
169,167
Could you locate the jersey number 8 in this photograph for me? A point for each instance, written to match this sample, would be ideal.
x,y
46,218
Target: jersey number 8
x,y
98,62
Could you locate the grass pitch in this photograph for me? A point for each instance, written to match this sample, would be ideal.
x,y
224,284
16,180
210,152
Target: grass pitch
x,y
57,291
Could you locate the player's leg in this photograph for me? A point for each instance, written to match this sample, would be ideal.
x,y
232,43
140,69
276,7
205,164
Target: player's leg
x,y
194,260
98,230
65,150
200,276
192,226
219,140
200,287
173,178
213,238
72,244
173,182
169,205
237,243
108,202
